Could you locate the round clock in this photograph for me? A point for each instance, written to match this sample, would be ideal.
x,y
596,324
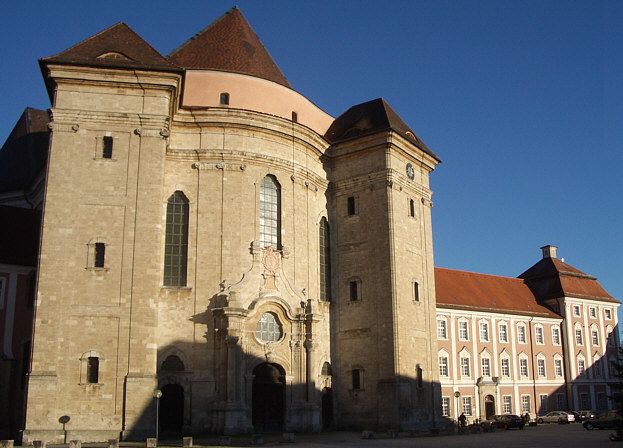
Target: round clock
x,y
410,171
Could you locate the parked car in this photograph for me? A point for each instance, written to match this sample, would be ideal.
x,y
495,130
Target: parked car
x,y
605,420
556,417
584,415
505,421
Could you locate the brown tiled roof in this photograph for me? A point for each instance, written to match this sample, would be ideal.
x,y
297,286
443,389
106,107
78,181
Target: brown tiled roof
x,y
553,278
229,44
118,46
19,236
484,292
369,118
24,154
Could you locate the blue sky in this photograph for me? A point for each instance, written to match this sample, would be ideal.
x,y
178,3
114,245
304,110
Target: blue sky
x,y
522,100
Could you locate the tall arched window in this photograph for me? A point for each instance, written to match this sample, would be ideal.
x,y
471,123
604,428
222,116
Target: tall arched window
x,y
325,261
270,212
176,241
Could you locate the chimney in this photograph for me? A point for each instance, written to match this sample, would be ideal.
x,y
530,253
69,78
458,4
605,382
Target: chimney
x,y
549,251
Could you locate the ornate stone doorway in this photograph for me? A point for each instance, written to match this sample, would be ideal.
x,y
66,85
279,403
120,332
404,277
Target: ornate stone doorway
x,y
268,408
489,406
172,409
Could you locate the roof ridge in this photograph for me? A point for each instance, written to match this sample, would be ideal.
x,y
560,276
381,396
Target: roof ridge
x,y
462,271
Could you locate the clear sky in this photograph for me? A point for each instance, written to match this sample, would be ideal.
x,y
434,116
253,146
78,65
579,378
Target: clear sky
x,y
522,100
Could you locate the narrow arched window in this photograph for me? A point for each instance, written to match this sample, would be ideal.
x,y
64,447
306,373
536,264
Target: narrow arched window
x,y
325,261
93,369
270,213
176,241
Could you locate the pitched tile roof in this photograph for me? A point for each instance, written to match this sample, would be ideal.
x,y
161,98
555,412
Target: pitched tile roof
x,y
229,44
484,292
118,46
369,118
25,151
19,235
553,278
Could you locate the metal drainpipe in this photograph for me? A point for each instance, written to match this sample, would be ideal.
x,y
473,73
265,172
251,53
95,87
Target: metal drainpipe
x,y
533,372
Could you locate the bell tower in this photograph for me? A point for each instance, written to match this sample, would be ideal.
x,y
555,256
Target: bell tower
x,y
384,312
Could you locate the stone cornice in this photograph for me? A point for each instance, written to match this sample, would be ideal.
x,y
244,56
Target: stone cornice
x,y
386,178
71,120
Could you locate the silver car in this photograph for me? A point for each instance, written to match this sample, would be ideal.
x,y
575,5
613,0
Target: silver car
x,y
556,417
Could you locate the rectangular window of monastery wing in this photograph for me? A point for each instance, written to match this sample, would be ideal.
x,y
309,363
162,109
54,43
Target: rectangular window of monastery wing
x,y
608,314
463,332
100,255
561,402
443,366
595,337
465,366
592,312
578,336
357,379
441,329
542,403
416,291
521,334
486,367
2,292
539,335
107,142
525,403
584,401
540,367
556,335
354,290
445,406
506,371
503,333
523,367
507,404
576,310
581,368
558,367
93,366
351,206
467,405
176,240
484,332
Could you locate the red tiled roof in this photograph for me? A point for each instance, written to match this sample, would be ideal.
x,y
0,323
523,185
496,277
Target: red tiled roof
x,y
229,44
552,278
19,236
484,292
118,46
369,118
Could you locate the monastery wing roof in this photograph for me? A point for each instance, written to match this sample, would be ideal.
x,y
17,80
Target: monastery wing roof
x,y
229,44
484,292
25,151
19,235
552,278
118,46
369,118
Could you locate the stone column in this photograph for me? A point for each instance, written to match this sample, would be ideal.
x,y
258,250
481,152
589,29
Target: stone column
x,y
309,362
232,364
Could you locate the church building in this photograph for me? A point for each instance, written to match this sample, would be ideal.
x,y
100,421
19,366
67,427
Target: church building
x,y
207,238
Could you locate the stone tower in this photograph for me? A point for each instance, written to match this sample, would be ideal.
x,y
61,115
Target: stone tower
x,y
383,318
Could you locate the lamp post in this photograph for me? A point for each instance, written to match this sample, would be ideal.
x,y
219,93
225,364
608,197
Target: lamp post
x,y
157,395
457,394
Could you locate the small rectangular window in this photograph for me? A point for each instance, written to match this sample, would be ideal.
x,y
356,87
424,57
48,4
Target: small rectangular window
x,y
412,208
441,329
506,367
445,406
503,333
592,311
576,310
507,407
354,290
539,335
100,254
93,365
558,367
107,147
525,403
416,291
443,366
295,117
419,377
608,314
224,99
556,336
352,206
357,380
467,405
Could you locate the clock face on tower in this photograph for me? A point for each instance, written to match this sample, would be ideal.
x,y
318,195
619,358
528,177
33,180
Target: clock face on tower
x,y
410,171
